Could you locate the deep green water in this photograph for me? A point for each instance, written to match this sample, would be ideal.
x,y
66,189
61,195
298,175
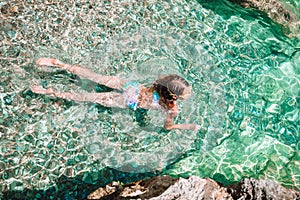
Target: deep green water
x,y
243,69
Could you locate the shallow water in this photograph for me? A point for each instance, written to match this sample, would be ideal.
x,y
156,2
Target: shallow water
x,y
245,77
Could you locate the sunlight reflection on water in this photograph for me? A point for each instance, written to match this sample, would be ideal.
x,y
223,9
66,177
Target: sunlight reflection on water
x,y
243,71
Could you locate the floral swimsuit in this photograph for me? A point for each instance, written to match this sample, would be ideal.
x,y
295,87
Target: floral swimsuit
x,y
131,92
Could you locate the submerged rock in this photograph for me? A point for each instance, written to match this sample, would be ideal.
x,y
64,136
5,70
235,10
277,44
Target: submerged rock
x,y
277,11
166,187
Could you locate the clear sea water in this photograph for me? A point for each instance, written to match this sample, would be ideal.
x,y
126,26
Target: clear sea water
x,y
243,68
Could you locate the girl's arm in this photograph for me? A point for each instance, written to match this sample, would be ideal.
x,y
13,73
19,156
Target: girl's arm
x,y
169,121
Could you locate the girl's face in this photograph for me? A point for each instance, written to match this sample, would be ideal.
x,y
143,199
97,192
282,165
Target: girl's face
x,y
185,95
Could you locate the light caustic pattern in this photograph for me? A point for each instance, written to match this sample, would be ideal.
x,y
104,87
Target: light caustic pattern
x,y
243,70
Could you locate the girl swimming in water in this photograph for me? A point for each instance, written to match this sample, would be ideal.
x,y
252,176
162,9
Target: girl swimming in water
x,y
162,95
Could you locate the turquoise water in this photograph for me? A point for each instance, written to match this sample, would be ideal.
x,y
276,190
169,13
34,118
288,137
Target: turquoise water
x,y
245,77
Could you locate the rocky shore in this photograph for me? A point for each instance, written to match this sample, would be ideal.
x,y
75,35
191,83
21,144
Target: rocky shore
x,y
166,188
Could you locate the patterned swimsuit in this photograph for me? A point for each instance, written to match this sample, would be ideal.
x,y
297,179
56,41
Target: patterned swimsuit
x,y
131,92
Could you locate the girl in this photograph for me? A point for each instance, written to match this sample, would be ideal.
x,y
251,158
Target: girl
x,y
161,95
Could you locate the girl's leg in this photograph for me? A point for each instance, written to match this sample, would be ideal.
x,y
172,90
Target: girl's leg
x,y
109,81
108,99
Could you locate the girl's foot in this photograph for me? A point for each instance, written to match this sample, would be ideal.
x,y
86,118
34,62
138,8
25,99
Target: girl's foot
x,y
49,62
40,90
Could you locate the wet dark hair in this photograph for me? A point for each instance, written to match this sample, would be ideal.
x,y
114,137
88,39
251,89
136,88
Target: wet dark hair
x,y
171,86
